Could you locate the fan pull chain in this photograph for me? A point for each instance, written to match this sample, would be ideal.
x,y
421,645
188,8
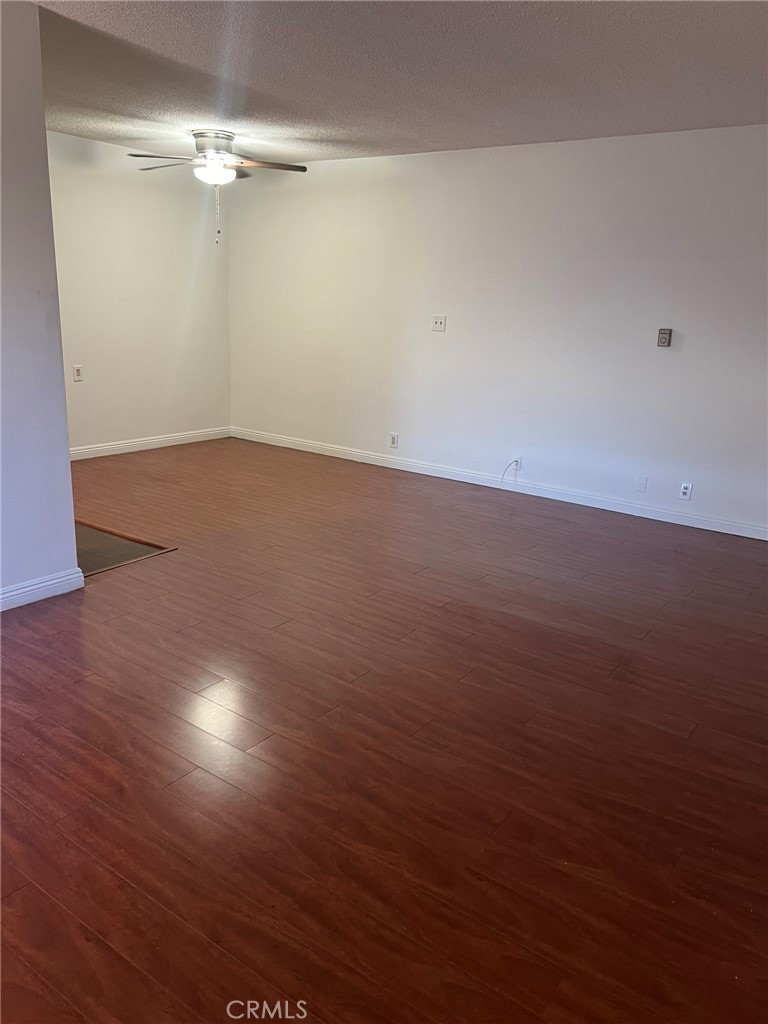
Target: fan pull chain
x,y
218,222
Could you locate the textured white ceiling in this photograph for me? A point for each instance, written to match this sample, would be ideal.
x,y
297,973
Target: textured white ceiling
x,y
303,81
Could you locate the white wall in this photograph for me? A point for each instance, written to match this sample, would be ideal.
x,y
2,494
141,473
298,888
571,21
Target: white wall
x,y
556,265
38,534
143,296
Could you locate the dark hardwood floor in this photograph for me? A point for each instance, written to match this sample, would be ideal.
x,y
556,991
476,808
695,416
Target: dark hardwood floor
x,y
403,749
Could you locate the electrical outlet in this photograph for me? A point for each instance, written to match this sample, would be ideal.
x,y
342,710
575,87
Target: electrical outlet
x,y
685,490
641,483
512,468
394,440
77,373
438,321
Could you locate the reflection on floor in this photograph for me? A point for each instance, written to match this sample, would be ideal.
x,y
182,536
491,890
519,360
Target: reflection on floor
x,y
98,550
406,749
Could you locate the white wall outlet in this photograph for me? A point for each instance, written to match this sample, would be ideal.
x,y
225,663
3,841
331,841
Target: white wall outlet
x,y
512,468
641,484
77,373
685,490
438,321
394,440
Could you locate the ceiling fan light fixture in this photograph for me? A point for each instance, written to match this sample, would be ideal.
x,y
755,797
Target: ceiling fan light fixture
x,y
214,171
216,163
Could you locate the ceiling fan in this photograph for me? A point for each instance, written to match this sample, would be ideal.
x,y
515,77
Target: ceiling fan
x,y
216,163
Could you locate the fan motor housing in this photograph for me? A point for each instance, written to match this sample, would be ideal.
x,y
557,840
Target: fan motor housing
x,y
209,141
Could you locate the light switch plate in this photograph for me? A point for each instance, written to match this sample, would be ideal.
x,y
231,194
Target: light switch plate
x,y
438,321
665,337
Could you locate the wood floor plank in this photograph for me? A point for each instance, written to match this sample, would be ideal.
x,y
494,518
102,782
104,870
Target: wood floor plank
x,y
75,961
375,652
198,607
26,998
259,935
288,649
11,878
251,705
157,697
402,747
297,683
565,921
257,870
379,782
154,761
502,965
93,642
37,786
194,969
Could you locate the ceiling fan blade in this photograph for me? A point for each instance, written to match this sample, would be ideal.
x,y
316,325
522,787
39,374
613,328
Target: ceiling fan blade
x,y
241,172
159,167
156,156
267,164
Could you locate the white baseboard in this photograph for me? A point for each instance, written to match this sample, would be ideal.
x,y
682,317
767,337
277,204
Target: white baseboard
x,y
760,532
37,590
138,444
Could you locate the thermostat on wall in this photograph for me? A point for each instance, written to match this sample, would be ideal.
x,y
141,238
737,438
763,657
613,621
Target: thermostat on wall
x,y
665,337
